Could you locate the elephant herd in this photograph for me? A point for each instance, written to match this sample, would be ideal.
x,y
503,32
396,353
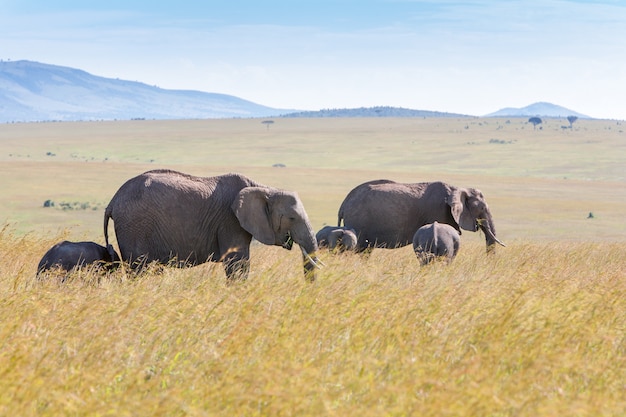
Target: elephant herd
x,y
182,220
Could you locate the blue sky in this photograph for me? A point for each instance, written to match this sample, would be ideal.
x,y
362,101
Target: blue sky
x,y
471,57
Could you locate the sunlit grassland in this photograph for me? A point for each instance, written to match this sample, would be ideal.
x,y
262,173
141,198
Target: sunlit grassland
x,y
533,179
537,329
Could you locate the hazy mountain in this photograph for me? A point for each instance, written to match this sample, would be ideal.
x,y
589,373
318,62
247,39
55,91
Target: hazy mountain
x,y
31,91
381,111
540,109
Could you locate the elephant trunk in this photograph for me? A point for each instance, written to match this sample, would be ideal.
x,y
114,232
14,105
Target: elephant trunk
x,y
311,263
489,229
305,238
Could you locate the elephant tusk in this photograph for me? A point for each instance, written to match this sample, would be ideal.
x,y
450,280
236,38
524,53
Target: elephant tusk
x,y
498,240
485,226
311,260
494,237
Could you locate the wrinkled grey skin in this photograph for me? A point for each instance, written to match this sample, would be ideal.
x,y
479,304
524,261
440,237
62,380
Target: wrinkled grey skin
x,y
386,214
182,220
436,240
68,255
336,238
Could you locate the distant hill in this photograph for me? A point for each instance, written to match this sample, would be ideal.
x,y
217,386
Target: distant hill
x,y
373,112
32,91
540,109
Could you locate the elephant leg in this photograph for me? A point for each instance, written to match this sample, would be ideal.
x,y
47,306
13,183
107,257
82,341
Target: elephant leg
x,y
139,264
236,267
425,252
365,253
425,258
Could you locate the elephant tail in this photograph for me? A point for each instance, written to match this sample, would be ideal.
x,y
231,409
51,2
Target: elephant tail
x,y
107,216
340,216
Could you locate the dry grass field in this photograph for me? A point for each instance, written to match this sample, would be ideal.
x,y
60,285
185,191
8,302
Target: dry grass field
x,y
539,183
536,329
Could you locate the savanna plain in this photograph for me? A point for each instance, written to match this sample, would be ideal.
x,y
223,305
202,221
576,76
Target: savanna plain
x,y
537,328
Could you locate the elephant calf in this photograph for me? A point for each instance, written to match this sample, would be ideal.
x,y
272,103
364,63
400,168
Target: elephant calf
x,y
68,255
436,240
336,238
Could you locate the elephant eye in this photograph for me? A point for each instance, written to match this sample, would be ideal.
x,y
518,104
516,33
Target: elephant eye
x,y
290,219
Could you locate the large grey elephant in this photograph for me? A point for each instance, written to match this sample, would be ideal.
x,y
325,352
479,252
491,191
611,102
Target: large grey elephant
x,y
184,220
68,255
435,240
336,238
386,214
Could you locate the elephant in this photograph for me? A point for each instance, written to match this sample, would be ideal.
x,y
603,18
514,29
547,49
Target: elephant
x,y
436,240
68,255
339,238
183,220
386,214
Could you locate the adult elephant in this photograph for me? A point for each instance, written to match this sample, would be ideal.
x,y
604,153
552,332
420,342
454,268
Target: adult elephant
x,y
386,214
175,218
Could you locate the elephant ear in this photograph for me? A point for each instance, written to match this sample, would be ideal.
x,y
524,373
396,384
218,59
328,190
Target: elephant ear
x,y
252,210
460,212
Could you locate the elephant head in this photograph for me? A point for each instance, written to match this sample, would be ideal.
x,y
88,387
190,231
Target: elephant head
x,y
277,217
342,239
470,211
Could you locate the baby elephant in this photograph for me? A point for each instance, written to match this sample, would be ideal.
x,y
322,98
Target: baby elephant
x,y
336,238
434,240
70,255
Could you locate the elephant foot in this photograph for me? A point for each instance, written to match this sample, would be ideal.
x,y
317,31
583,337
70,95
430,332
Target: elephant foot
x,y
236,269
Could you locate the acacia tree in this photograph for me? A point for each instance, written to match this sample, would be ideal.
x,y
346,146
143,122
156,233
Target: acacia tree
x,y
571,120
535,121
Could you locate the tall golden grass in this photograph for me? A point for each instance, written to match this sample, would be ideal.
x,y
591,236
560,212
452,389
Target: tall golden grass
x,y
538,329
